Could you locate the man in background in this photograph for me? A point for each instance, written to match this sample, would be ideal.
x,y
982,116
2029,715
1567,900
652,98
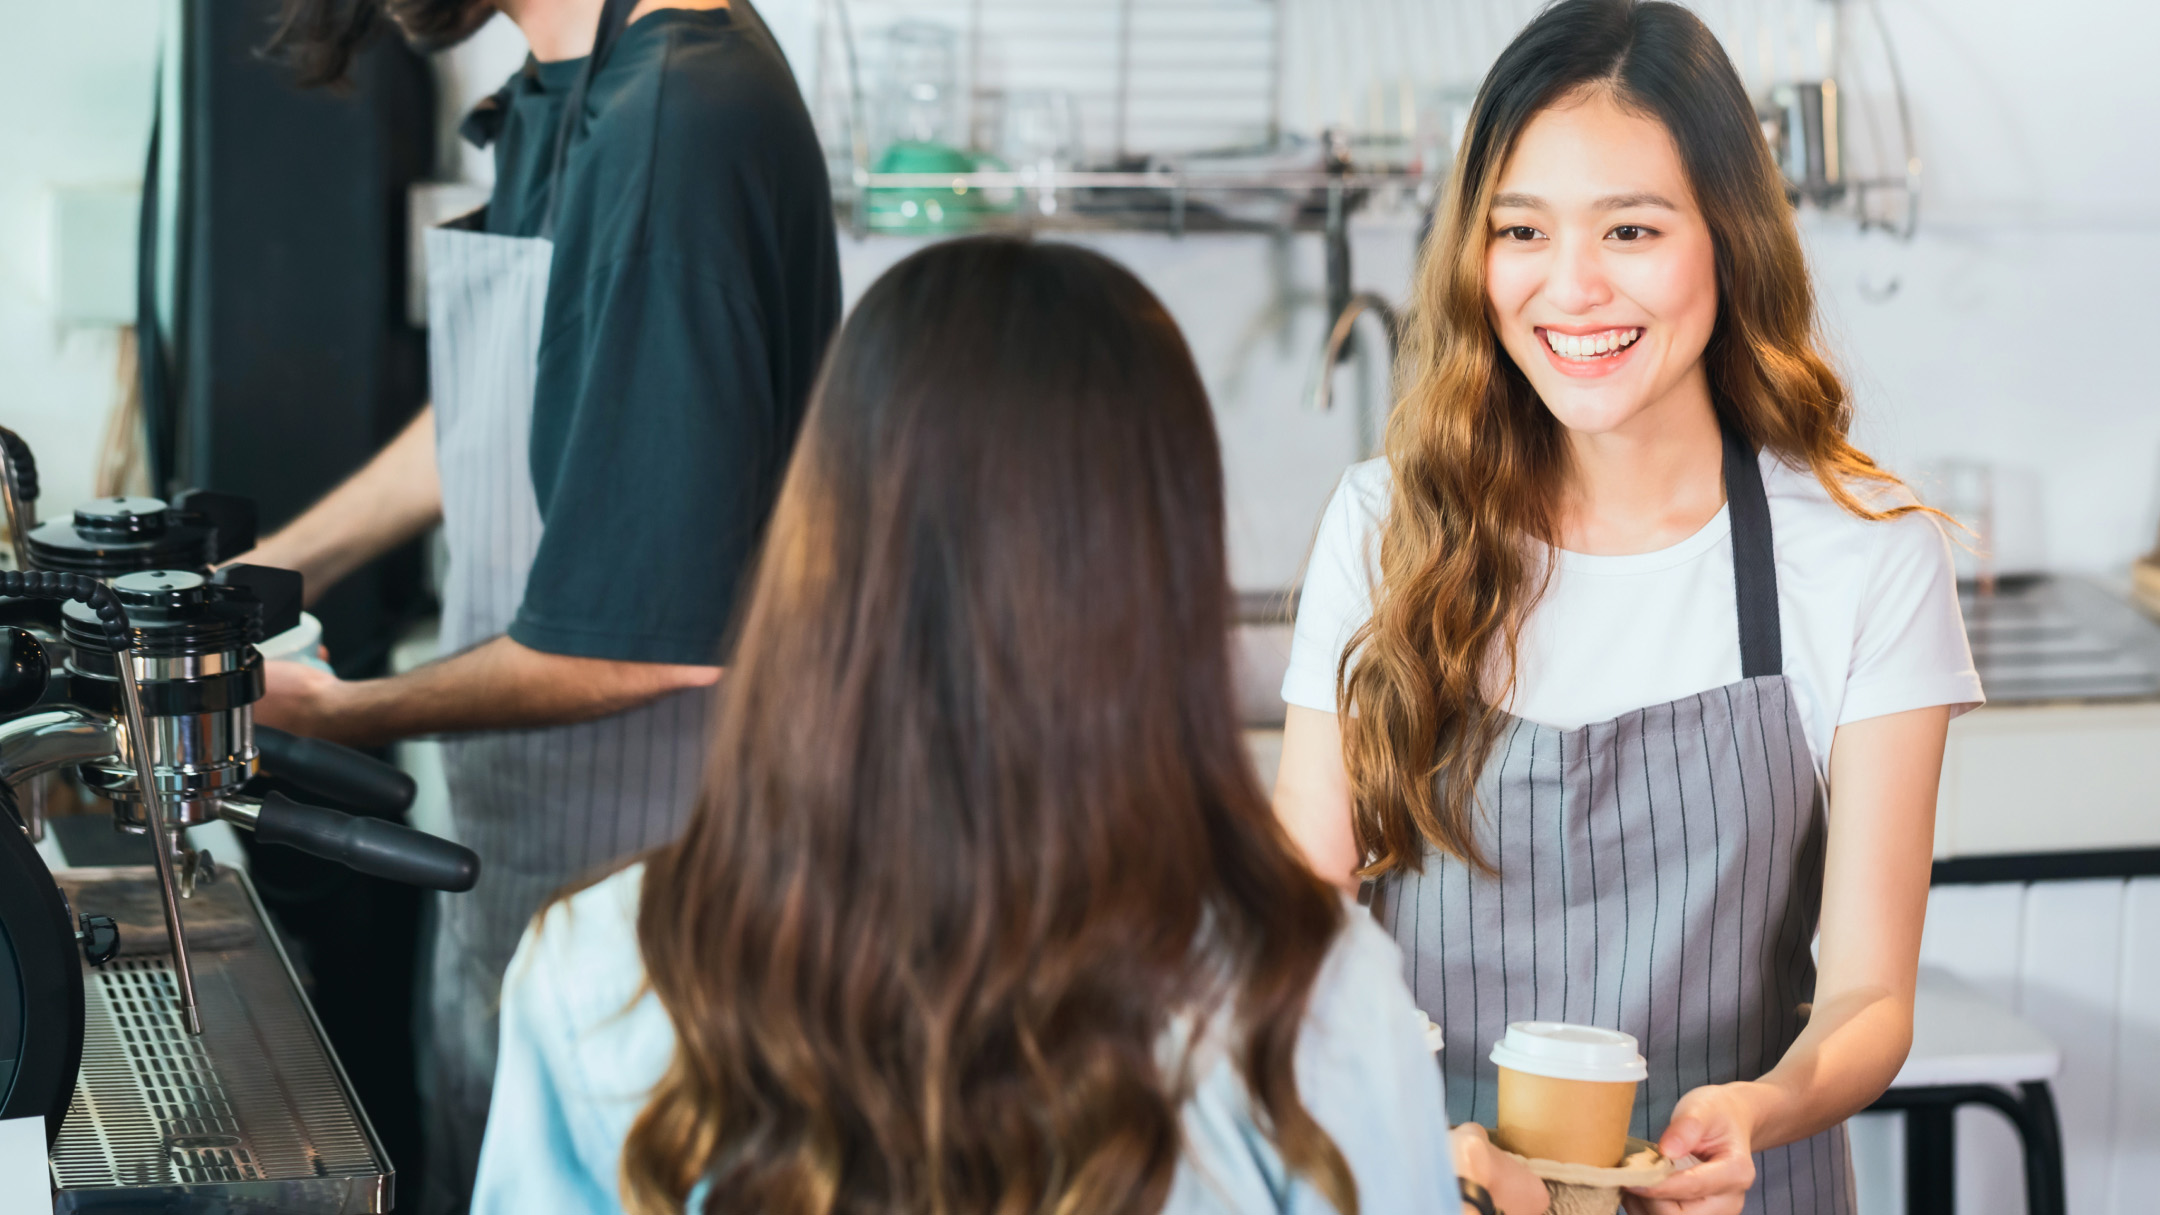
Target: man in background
x,y
620,345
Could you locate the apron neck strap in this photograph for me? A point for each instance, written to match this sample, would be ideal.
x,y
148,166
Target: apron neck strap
x,y
614,17
1762,650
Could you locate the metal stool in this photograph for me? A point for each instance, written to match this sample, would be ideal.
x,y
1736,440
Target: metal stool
x,y
1969,1050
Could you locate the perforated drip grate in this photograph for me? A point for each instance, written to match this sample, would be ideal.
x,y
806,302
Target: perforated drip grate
x,y
201,1132
254,1109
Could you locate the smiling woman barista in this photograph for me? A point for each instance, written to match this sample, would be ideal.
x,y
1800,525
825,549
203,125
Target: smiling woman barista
x,y
1620,477
621,343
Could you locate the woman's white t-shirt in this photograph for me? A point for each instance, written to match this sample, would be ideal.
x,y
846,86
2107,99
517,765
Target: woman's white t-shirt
x,y
1868,612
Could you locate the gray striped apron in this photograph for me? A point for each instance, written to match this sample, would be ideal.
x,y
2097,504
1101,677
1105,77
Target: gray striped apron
x,y
1659,873
541,807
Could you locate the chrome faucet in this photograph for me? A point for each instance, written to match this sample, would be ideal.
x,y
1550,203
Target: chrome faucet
x,y
1338,343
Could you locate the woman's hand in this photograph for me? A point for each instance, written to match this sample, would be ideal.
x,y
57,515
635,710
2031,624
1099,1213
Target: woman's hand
x,y
1714,1124
1515,1189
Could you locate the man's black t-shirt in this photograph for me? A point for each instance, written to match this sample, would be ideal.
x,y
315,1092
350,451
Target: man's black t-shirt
x,y
694,283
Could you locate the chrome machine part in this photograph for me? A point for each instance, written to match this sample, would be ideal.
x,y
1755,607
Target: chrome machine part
x,y
196,674
48,739
35,745
194,650
198,756
96,621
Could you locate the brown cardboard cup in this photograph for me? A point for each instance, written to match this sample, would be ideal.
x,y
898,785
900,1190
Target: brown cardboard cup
x,y
1567,1092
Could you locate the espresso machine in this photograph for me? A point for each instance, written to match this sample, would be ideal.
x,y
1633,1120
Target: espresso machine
x,y
156,1023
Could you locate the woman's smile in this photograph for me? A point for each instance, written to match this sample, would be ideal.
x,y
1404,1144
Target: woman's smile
x,y
1574,351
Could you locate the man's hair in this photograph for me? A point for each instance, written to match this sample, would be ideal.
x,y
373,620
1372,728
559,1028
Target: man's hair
x,y
319,39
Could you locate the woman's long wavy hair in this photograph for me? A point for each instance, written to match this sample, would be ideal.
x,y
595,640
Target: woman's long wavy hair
x,y
979,827
1477,458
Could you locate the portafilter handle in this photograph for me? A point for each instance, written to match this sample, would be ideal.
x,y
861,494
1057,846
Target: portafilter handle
x,y
335,773
367,845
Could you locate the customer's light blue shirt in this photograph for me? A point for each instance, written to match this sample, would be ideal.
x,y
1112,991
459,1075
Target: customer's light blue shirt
x,y
583,1042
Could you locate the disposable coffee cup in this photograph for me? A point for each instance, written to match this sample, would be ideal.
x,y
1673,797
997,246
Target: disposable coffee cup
x,y
1567,1092
296,644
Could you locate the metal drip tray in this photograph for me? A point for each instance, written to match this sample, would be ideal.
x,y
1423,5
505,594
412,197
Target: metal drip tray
x,y
254,1115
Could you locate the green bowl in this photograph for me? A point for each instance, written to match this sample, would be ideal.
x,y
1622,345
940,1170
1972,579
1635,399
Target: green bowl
x,y
954,208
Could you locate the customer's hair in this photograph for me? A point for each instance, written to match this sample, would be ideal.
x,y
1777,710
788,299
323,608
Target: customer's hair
x,y
979,827
320,38
1475,455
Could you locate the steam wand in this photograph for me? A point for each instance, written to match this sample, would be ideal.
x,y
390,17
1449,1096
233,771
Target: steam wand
x,y
139,753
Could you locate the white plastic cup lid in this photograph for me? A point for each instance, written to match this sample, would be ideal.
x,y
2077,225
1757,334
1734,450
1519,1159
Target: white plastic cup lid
x,y
1570,1052
297,642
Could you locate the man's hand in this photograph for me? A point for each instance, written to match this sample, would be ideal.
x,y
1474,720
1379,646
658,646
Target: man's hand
x,y
1515,1189
301,699
1714,1124
497,685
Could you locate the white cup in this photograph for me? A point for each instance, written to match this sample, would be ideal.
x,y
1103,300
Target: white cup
x,y
1567,1092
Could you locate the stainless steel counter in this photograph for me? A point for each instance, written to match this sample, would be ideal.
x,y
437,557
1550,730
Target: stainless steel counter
x,y
2061,639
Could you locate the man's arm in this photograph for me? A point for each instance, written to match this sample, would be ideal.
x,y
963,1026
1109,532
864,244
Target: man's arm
x,y
393,498
497,685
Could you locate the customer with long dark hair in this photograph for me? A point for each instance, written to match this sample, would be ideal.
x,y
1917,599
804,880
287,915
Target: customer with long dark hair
x,y
1610,755
982,909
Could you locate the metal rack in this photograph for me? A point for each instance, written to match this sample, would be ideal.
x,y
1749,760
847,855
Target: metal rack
x,y
1172,168
1169,84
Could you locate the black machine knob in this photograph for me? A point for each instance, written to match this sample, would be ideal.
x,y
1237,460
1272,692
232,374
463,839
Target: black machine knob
x,y
24,671
112,536
99,937
155,596
108,537
125,519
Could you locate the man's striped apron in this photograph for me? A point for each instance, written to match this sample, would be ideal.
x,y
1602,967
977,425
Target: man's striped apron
x,y
541,807
1659,873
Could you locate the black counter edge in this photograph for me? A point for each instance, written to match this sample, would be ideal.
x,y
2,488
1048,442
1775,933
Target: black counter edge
x,y
2048,866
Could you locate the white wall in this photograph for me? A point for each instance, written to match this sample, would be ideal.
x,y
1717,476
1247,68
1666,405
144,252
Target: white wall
x,y
2015,333
75,81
